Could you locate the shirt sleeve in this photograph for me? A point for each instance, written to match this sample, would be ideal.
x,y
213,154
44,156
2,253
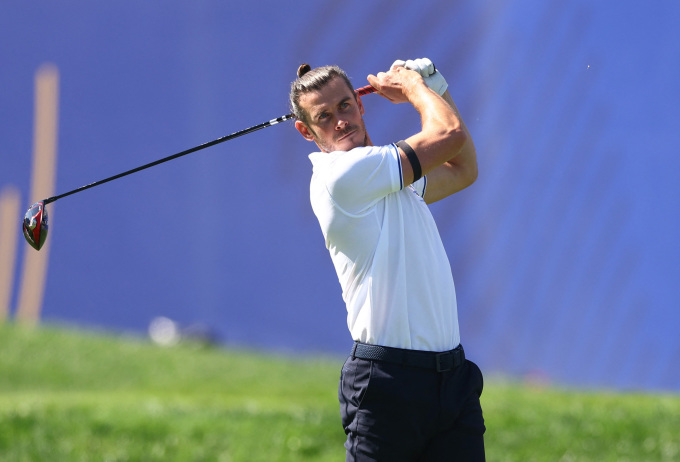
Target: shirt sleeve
x,y
420,186
358,178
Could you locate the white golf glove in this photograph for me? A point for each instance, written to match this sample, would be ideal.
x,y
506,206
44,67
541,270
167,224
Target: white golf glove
x,y
433,78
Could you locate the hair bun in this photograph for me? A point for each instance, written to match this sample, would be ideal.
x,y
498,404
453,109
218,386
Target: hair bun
x,y
302,70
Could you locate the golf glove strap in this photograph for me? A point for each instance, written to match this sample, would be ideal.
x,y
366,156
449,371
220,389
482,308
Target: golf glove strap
x,y
433,78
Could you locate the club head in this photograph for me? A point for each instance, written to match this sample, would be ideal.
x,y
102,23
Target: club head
x,y
35,225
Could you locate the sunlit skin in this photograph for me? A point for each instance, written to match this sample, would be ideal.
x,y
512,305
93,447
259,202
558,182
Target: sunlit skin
x,y
334,118
444,146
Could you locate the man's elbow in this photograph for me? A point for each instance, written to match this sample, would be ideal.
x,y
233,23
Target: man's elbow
x,y
472,173
467,161
464,155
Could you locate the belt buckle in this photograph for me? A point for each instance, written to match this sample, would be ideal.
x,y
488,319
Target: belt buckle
x,y
438,361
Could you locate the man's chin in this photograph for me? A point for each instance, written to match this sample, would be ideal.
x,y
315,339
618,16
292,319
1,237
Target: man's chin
x,y
347,143
351,141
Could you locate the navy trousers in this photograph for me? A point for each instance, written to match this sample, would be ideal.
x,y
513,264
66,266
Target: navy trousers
x,y
394,413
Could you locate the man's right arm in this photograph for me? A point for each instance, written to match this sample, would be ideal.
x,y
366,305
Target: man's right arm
x,y
442,134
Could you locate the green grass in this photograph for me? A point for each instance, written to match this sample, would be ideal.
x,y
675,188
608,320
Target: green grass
x,y
74,396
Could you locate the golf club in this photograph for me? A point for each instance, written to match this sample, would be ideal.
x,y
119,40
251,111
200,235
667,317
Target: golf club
x,y
35,223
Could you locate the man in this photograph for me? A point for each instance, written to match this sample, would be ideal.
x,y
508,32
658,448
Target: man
x,y
406,392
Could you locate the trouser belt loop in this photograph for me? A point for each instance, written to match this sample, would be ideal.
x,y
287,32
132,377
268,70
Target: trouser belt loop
x,y
354,350
444,362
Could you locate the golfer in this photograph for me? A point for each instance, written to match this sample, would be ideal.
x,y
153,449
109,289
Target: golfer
x,y
407,392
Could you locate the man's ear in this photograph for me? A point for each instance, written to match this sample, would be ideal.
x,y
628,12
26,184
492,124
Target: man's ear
x,y
360,104
304,130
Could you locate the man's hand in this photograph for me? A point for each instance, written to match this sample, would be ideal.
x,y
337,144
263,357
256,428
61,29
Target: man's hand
x,y
425,67
396,83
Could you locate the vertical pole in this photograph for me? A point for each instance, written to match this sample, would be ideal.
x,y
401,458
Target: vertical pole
x,y
9,212
43,180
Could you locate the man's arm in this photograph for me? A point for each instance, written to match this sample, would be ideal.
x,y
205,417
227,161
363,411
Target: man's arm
x,y
458,172
442,134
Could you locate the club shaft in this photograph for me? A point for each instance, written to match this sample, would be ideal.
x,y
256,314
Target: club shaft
x,y
360,92
364,90
174,156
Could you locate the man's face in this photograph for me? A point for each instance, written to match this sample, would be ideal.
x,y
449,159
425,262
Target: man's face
x,y
335,121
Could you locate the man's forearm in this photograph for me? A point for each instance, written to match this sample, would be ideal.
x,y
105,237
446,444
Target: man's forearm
x,y
436,113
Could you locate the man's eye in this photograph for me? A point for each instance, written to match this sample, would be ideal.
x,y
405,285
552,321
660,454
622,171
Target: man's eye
x,y
323,115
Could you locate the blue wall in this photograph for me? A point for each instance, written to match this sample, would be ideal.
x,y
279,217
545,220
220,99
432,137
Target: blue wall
x,y
564,252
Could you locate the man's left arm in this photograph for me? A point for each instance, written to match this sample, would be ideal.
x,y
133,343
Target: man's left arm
x,y
459,172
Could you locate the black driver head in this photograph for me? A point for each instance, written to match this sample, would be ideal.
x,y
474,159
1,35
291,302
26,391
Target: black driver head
x,y
35,225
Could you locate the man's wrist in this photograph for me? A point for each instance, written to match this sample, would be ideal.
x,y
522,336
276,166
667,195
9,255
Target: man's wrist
x,y
417,89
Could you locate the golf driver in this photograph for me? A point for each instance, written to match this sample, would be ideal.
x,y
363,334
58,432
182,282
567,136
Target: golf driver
x,y
35,224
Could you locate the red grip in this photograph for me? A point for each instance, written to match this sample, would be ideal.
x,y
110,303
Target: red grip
x,y
364,90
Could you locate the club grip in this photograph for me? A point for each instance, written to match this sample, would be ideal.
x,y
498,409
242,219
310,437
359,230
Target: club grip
x,y
364,90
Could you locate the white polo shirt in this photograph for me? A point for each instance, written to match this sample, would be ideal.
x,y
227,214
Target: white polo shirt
x,y
395,276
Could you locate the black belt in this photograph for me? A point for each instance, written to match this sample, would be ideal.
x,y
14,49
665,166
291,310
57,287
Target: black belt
x,y
441,362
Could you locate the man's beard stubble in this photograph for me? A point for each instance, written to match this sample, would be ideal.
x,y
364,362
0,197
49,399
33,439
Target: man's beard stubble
x,y
324,147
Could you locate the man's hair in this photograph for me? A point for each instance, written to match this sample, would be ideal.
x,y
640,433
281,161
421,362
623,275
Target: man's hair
x,y
312,80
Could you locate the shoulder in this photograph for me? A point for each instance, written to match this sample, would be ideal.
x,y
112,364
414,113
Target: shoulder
x,y
357,161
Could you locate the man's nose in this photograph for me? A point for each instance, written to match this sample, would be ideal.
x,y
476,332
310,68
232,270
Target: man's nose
x,y
341,124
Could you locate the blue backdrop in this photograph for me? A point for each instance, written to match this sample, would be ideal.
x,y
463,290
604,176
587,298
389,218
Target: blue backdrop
x,y
564,252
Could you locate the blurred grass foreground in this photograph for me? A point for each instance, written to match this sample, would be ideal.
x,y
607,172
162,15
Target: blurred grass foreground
x,y
68,395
